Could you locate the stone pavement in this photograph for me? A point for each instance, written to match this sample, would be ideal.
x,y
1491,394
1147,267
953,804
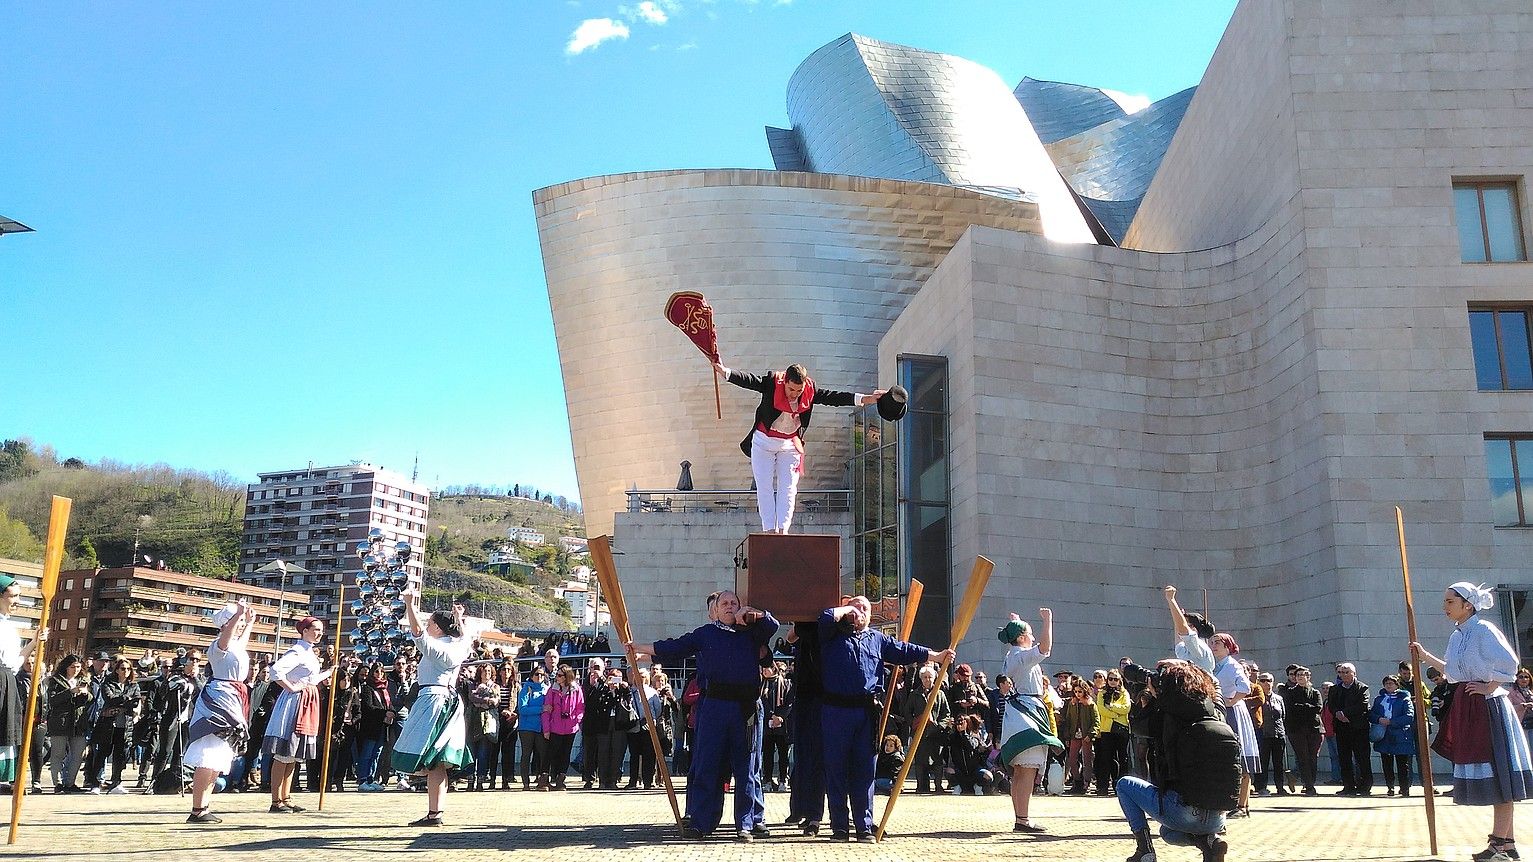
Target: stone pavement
x,y
594,826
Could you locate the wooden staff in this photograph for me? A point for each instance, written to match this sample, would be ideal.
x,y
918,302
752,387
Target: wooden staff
x,y
912,601
1423,752
718,407
53,560
606,576
978,578
335,673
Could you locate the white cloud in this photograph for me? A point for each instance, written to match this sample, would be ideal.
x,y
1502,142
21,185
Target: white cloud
x,y
593,32
648,11
689,46
1131,104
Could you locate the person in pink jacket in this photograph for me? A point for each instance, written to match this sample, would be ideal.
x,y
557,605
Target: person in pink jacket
x,y
563,710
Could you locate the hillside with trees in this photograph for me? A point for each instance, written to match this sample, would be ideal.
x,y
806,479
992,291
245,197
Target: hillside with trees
x,y
192,521
187,518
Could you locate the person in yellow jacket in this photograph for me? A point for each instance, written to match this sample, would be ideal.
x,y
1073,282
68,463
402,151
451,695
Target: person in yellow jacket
x,y
1111,755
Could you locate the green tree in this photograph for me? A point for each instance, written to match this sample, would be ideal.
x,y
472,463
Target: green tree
x,y
85,554
17,542
17,460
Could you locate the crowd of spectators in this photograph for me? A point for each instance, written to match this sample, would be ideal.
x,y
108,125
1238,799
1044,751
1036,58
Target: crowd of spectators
x,y
105,721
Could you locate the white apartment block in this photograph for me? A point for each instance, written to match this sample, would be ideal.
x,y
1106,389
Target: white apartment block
x,y
315,516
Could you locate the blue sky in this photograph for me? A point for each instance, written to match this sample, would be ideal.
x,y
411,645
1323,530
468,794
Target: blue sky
x,y
270,234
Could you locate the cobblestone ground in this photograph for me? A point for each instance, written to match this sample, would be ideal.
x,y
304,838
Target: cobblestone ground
x,y
592,826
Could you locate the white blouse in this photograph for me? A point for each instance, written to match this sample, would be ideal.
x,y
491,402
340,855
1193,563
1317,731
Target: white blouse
x,y
1022,666
1479,652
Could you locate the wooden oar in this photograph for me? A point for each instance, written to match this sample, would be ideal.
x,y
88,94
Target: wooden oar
x,y
912,602
53,560
335,673
978,578
617,607
1423,752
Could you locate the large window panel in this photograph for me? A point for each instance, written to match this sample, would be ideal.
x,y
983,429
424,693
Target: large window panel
x,y
1489,221
1505,507
1471,233
1487,354
1515,349
1502,226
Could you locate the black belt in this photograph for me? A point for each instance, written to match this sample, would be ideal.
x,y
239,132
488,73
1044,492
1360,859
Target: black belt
x,y
733,691
849,701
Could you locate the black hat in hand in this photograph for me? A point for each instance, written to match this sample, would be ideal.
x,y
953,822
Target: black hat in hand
x,y
891,405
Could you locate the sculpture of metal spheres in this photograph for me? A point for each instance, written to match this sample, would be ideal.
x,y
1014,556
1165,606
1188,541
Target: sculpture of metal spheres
x,y
378,608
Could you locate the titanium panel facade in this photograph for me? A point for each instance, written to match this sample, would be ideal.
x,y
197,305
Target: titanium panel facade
x,y
799,267
869,108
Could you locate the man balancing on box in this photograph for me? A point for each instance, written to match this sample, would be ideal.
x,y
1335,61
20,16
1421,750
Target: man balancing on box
x,y
775,443
852,655
728,651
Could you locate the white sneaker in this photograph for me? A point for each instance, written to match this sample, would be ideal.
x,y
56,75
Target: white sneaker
x,y
402,785
119,790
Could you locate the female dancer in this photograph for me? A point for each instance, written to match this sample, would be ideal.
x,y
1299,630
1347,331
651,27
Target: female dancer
x,y
1234,686
434,738
1480,733
1027,729
292,731
220,720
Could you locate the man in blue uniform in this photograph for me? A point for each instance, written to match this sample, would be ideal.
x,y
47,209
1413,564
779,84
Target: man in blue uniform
x,y
852,656
728,652
806,800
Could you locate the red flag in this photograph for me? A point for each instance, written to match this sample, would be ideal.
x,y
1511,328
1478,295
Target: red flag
x,y
692,314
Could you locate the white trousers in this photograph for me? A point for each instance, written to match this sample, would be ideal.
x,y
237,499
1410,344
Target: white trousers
x,y
775,464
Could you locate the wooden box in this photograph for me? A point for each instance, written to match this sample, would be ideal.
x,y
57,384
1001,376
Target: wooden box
x,y
795,576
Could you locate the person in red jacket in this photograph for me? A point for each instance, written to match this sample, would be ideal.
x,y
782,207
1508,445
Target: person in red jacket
x,y
775,443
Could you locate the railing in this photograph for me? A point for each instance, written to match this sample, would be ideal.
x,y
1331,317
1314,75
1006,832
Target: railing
x,y
838,500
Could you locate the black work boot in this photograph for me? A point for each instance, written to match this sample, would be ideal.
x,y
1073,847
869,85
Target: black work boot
x,y
1144,851
1213,848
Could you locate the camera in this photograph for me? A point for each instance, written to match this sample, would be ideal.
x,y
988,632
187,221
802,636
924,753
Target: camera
x,y
1134,674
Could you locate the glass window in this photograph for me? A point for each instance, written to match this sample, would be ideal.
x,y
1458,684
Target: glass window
x,y
1489,222
1502,346
1506,503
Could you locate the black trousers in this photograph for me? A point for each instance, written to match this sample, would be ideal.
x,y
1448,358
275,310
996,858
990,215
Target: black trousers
x,y
1356,759
1274,763
559,745
641,758
1396,766
506,748
774,757
1306,752
1110,758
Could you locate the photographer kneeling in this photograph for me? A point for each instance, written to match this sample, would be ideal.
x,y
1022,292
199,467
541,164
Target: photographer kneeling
x,y
1197,763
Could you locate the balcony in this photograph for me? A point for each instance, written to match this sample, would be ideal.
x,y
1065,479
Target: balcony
x,y
838,500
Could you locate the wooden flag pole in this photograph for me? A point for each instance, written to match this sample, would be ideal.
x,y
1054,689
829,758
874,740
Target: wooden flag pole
x,y
335,686
53,560
978,578
617,607
718,405
912,602
1423,751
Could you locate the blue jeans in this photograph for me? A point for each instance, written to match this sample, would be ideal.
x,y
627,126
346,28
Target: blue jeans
x,y
367,760
485,757
1180,823
1330,747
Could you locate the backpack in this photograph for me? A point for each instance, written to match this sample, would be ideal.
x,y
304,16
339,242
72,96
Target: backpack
x,y
1205,764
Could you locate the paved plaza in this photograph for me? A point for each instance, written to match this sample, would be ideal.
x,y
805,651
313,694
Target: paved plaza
x,y
594,826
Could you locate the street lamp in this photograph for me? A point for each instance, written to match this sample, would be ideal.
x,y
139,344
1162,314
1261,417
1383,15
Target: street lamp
x,y
285,569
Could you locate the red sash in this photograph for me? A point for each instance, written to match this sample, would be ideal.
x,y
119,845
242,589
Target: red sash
x,y
780,401
1464,736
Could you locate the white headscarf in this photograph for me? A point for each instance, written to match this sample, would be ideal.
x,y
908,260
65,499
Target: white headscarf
x,y
1478,597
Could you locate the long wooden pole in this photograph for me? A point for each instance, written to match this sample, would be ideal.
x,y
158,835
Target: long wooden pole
x,y
718,405
912,602
53,560
606,577
1423,752
978,578
335,691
